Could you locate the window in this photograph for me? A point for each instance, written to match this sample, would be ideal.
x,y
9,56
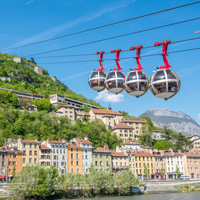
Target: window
x,y
53,150
57,151
72,162
30,153
54,164
35,160
86,156
63,157
85,151
77,170
107,155
24,160
60,150
107,163
96,163
30,160
101,163
10,156
76,150
35,146
30,146
101,155
24,152
77,163
72,170
35,153
24,145
10,163
77,156
9,170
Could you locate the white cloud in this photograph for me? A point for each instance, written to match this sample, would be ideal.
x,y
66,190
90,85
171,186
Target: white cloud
x,y
60,28
108,97
198,115
29,2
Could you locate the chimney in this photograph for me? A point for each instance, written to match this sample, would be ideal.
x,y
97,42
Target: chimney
x,y
179,151
106,147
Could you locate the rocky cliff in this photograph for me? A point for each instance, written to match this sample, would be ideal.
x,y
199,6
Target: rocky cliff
x,y
178,121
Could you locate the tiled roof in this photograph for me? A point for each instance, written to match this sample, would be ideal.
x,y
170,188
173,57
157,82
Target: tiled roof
x,y
190,136
57,141
86,114
107,116
192,155
108,112
122,126
101,150
73,146
31,105
141,153
178,154
86,142
134,120
30,141
44,147
131,142
118,154
168,155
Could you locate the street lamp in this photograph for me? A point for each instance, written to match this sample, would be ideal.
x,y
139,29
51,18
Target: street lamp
x,y
197,32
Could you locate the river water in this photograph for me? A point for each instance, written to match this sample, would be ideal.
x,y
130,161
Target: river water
x,y
172,196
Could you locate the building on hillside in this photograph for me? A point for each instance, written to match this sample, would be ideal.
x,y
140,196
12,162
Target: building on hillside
x,y
160,165
3,164
136,123
109,117
101,159
120,162
24,95
32,108
124,131
192,165
143,164
59,154
132,145
44,156
157,135
192,137
195,139
75,158
55,99
38,70
30,151
71,112
14,162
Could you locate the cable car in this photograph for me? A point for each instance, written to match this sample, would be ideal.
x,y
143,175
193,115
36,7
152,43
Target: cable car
x,y
165,83
115,82
97,80
137,82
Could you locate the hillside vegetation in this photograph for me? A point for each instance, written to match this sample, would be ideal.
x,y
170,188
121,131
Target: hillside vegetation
x,y
27,80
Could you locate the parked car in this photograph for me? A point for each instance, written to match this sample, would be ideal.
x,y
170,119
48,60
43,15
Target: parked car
x,y
184,177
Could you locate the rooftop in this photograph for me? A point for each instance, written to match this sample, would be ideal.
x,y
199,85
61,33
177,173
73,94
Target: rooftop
x,y
44,147
106,112
134,120
30,141
131,142
101,150
118,154
85,142
122,126
141,153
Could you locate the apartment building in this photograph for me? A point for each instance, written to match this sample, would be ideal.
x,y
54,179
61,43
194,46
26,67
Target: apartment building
x,y
14,161
24,95
136,124
59,154
157,135
195,139
71,112
109,117
30,151
192,165
160,165
143,164
124,131
120,162
75,158
101,159
3,164
44,156
132,145
56,98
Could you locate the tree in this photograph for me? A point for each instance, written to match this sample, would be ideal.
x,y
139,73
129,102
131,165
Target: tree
x,y
146,170
13,171
166,133
178,171
162,171
159,146
43,104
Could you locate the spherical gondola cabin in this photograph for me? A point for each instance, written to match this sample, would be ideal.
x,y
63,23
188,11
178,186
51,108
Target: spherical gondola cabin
x,y
115,82
136,83
164,83
97,80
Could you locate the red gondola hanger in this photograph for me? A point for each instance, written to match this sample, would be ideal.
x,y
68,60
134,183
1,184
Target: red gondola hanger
x,y
117,59
138,51
101,60
164,53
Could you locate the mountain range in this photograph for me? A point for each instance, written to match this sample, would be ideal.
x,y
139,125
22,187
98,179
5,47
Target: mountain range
x,y
178,121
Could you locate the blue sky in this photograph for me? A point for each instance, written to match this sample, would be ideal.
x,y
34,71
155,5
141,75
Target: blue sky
x,y
25,21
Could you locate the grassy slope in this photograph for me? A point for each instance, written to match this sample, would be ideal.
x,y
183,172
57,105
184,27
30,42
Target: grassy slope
x,y
29,81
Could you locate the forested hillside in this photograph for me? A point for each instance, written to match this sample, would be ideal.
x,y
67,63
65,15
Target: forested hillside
x,y
27,80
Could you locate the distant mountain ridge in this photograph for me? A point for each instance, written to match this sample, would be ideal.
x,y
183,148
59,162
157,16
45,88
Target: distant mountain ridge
x,y
178,121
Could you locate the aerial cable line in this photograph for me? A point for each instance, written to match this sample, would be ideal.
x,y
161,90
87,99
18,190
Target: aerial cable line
x,y
118,36
93,54
106,25
78,61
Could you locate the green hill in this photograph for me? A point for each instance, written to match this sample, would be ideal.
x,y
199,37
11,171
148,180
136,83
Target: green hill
x,y
27,80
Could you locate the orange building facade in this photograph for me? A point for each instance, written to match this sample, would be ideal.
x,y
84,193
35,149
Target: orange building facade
x,y
74,158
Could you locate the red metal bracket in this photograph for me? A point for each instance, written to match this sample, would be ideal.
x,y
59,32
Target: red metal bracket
x,y
138,51
164,53
117,59
101,60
